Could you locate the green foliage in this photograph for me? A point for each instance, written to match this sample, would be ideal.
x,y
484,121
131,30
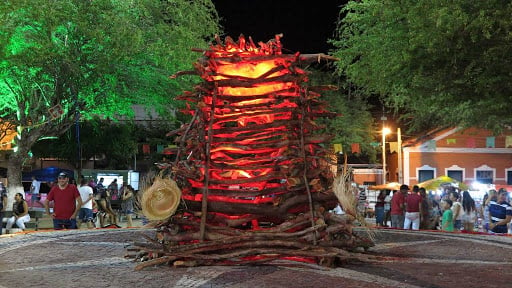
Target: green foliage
x,y
441,62
113,143
110,54
355,122
95,58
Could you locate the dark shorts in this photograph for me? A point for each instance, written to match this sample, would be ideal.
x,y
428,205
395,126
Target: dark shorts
x,y
85,215
59,224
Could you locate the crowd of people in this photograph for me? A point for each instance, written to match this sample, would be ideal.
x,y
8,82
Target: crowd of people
x,y
451,211
88,201
73,204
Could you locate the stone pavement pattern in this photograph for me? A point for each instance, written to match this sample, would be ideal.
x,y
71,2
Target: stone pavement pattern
x,y
95,258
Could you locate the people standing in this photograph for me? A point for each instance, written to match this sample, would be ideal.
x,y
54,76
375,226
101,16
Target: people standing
x,y
413,210
114,190
387,207
35,188
468,212
447,221
361,206
398,206
85,213
427,207
3,203
104,206
379,208
436,213
500,212
20,213
99,189
456,209
67,203
484,209
127,204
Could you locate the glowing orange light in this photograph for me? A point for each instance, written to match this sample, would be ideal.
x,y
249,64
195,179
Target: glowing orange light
x,y
257,90
251,70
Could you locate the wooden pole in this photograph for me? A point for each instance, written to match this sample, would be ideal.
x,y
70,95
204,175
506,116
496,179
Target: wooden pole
x,y
204,200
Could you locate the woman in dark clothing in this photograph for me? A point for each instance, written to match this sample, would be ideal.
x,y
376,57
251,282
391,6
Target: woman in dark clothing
x,y
20,213
379,208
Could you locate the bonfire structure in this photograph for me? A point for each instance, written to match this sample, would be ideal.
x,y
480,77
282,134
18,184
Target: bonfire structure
x,y
252,180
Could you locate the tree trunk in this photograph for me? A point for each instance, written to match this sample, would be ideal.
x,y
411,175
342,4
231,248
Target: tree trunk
x,y
14,168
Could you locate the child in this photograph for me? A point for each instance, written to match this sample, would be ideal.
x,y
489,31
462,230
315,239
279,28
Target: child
x,y
447,221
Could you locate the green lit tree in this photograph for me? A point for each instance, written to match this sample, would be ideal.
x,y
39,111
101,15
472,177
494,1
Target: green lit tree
x,y
60,60
438,62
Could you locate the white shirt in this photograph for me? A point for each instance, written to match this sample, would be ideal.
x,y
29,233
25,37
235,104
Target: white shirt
x,y
36,185
338,210
85,192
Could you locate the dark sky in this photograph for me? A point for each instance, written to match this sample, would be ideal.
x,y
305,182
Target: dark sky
x,y
305,26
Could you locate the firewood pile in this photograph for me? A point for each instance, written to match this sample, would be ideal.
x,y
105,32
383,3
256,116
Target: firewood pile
x,y
252,180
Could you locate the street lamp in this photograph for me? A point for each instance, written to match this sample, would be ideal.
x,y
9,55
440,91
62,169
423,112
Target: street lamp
x,y
385,131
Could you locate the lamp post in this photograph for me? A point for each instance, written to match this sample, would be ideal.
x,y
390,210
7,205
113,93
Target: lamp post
x,y
385,131
400,167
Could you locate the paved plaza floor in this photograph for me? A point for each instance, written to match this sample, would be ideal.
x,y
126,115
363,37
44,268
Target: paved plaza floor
x,y
96,258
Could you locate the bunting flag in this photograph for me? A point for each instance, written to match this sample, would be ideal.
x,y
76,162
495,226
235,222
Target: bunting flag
x,y
451,141
338,148
508,142
470,143
375,144
159,148
393,147
355,148
146,149
56,111
431,145
489,142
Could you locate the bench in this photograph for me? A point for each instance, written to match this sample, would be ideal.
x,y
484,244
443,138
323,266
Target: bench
x,y
35,217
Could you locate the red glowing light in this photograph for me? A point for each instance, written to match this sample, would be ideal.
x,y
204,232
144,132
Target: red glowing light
x,y
250,113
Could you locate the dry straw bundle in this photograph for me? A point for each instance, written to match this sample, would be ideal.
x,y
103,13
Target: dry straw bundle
x,y
344,192
161,199
346,195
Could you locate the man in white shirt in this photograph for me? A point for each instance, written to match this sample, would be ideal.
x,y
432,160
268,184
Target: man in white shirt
x,y
34,192
85,213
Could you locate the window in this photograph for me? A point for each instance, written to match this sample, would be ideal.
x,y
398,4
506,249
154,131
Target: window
x,y
425,175
455,174
509,177
484,176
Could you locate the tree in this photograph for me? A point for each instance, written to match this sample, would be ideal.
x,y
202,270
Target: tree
x,y
60,60
438,62
115,143
355,123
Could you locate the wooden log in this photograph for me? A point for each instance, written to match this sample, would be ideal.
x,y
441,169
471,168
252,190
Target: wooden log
x,y
266,211
302,58
154,262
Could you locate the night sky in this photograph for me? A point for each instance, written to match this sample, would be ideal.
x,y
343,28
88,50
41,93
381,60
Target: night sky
x,y
305,26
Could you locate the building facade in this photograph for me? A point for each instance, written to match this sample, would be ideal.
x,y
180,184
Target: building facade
x,y
473,156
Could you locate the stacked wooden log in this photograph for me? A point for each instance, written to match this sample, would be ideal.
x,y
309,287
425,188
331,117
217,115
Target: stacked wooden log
x,y
252,165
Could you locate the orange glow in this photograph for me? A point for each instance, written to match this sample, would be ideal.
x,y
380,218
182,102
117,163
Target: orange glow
x,y
10,133
257,90
251,70
253,102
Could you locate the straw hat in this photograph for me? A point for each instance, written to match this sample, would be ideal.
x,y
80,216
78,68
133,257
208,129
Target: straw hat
x,y
161,200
